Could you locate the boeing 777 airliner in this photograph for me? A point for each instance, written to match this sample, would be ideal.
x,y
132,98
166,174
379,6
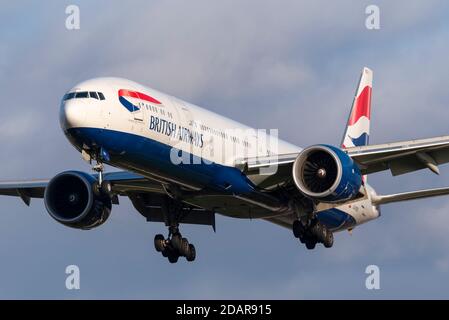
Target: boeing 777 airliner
x,y
183,164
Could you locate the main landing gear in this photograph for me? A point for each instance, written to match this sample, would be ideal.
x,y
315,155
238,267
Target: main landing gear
x,y
175,245
313,232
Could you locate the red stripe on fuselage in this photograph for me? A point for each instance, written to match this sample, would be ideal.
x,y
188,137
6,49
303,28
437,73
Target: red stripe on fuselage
x,y
138,95
362,106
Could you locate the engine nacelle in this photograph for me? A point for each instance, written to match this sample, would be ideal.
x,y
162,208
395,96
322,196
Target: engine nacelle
x,y
71,199
327,174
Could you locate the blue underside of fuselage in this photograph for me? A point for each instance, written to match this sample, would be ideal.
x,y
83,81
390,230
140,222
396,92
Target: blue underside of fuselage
x,y
136,153
130,151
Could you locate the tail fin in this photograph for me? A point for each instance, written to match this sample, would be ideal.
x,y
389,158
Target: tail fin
x,y
357,129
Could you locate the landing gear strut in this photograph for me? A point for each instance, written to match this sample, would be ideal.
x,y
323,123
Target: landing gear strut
x,y
99,168
175,245
313,232
103,186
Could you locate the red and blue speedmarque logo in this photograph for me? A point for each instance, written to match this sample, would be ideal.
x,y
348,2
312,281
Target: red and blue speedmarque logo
x,y
122,93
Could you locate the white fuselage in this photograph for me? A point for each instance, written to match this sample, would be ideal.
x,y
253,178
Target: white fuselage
x,y
136,110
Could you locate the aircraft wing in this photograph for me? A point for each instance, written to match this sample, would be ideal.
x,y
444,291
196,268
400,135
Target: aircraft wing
x,y
122,182
398,157
24,189
402,157
420,194
286,221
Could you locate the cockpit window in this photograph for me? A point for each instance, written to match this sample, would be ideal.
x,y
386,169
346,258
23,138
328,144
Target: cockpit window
x,y
84,94
69,96
93,95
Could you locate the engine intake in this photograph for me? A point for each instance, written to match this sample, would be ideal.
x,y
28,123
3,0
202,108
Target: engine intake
x,y
71,199
327,174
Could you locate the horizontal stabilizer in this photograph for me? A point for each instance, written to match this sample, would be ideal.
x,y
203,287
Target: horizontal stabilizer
x,y
420,194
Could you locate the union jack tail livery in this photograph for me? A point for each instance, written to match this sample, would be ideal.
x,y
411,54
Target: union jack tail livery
x,y
357,129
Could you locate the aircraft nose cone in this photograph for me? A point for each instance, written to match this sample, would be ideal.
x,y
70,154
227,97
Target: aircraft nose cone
x,y
72,114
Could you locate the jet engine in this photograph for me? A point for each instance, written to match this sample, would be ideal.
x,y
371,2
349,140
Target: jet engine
x,y
327,174
71,198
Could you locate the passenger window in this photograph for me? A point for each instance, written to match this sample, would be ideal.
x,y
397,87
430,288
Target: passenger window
x,y
82,94
101,96
93,95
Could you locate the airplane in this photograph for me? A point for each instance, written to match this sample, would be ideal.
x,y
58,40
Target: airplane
x,y
182,164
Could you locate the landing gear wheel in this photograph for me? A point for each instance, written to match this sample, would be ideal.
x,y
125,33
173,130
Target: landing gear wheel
x,y
172,256
310,244
96,187
106,187
298,229
159,242
191,254
319,232
185,247
176,241
329,239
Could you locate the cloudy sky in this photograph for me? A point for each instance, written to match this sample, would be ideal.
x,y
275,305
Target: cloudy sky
x,y
291,65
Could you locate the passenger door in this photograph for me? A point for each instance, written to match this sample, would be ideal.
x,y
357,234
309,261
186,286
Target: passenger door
x,y
138,111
